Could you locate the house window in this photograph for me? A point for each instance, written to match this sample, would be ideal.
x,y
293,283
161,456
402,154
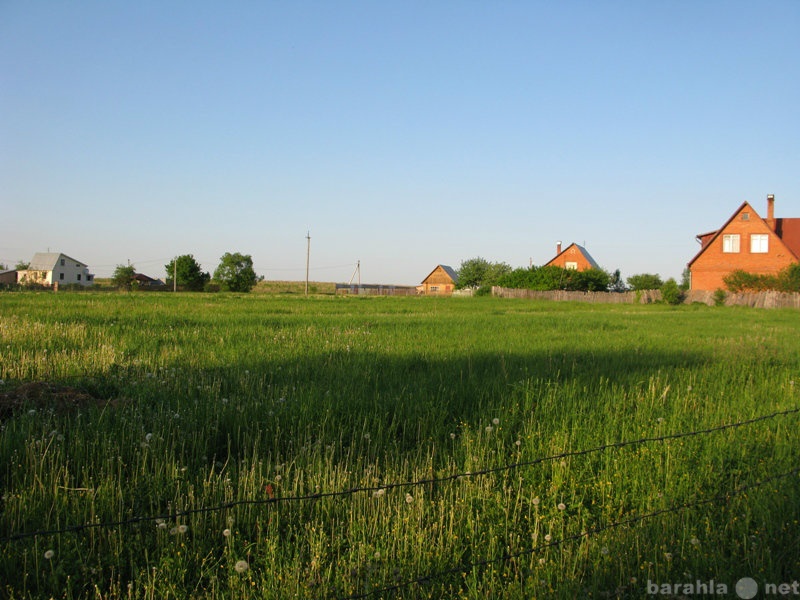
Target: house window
x,y
730,243
745,216
62,262
571,265
61,276
434,288
79,276
759,243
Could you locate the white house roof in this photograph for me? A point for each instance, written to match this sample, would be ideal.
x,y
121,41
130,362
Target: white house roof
x,y
47,261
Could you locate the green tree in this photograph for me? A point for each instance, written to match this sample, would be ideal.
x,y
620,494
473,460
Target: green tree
x,y
477,272
22,265
187,272
472,272
686,280
590,280
645,281
235,272
123,276
671,292
616,283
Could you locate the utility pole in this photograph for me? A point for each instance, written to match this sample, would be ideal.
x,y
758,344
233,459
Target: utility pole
x,y
358,272
308,256
175,275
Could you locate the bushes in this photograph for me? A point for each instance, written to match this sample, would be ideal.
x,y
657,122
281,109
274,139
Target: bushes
x,y
787,280
549,278
671,292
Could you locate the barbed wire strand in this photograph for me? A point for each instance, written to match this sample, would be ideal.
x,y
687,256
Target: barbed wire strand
x,y
390,486
467,567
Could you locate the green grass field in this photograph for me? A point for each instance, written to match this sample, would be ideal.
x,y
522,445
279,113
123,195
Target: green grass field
x,y
277,446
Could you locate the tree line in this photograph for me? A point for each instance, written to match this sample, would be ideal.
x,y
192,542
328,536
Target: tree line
x,y
234,273
480,274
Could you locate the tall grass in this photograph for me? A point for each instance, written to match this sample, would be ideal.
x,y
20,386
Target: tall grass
x,y
217,399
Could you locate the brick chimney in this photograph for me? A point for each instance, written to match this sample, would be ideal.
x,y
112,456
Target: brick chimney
x,y
771,211
558,248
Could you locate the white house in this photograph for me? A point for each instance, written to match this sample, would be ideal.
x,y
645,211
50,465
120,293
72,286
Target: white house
x,y
48,268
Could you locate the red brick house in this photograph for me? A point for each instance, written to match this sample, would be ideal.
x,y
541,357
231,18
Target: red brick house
x,y
573,257
745,242
441,282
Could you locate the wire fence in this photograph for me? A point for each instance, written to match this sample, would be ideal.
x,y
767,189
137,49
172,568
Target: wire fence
x,y
407,484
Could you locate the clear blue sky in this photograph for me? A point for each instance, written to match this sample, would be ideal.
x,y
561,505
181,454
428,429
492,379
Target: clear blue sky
x,y
401,134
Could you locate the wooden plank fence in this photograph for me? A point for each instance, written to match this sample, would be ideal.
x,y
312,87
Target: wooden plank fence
x,y
754,299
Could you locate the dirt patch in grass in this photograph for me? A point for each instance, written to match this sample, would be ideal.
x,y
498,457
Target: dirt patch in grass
x,y
43,395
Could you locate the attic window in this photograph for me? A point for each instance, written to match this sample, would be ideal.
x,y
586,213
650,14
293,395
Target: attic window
x,y
573,266
62,262
759,243
730,243
745,216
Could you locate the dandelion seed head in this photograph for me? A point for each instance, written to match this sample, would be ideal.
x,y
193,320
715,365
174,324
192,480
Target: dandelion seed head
x,y
694,542
49,554
668,555
562,506
409,498
241,566
148,437
378,493
489,429
226,532
496,421
547,537
452,436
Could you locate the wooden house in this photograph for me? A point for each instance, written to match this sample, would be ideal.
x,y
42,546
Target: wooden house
x,y
745,242
440,282
573,257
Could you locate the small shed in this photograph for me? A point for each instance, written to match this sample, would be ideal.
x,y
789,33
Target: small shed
x,y
145,281
440,282
8,277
